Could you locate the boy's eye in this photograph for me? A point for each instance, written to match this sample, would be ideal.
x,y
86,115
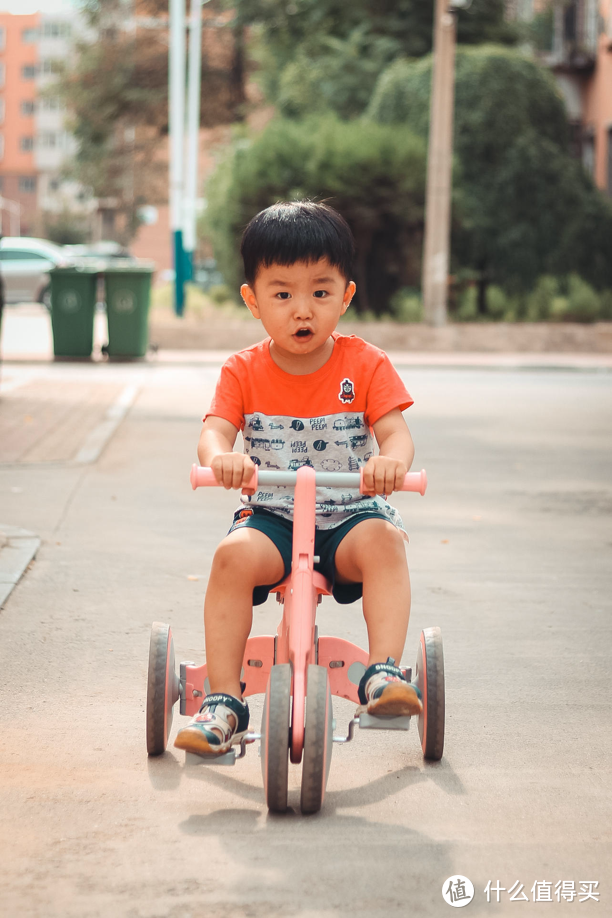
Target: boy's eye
x,y
320,293
283,295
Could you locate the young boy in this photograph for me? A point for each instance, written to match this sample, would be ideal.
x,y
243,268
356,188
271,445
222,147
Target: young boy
x,y
305,395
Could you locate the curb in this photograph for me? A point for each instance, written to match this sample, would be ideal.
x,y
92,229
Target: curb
x,y
17,548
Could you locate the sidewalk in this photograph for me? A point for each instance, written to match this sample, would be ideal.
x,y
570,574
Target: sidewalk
x,y
26,338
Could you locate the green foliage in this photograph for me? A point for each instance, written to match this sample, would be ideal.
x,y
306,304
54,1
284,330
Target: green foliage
x,y
584,303
541,301
373,174
525,206
65,227
406,305
328,53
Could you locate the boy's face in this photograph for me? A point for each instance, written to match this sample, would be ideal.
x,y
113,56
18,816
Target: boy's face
x,y
299,305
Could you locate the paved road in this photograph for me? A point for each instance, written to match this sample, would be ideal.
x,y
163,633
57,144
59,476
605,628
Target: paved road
x,y
510,555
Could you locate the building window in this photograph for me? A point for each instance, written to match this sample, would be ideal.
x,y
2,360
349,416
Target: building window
x,y
2,38
28,36
50,65
2,110
54,184
50,104
588,150
27,107
27,184
49,140
26,144
56,29
28,72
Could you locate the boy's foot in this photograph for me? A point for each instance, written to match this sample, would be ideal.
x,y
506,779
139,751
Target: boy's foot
x,y
385,692
221,722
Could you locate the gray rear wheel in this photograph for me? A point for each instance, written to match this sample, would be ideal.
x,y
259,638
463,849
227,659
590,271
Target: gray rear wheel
x,y
275,737
162,688
429,676
318,740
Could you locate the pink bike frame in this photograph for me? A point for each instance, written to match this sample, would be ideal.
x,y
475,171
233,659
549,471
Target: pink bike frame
x,y
295,641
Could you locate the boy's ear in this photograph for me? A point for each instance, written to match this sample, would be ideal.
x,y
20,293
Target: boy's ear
x,y
349,293
248,295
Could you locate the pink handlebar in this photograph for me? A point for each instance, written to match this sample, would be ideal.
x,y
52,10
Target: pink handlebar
x,y
202,477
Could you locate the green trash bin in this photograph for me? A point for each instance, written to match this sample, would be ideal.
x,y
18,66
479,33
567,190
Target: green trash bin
x,y
128,296
73,303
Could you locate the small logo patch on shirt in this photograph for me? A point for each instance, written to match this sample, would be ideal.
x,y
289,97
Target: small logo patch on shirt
x,y
347,391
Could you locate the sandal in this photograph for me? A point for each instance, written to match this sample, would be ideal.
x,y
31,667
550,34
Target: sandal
x,y
384,691
221,722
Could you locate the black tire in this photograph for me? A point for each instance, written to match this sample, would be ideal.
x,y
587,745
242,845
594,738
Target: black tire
x,y
162,688
45,297
429,676
318,740
275,739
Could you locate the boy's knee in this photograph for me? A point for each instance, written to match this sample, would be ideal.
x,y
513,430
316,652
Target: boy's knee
x,y
248,555
383,544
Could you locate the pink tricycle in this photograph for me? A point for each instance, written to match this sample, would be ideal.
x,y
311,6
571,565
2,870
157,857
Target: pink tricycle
x,y
295,664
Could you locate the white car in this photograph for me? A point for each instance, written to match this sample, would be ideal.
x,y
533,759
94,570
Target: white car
x,y
25,263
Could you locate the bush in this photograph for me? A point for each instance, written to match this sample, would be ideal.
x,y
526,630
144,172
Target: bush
x,y
373,174
406,306
523,207
541,301
584,304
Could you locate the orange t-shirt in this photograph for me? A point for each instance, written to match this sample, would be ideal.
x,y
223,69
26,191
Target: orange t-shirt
x,y
322,419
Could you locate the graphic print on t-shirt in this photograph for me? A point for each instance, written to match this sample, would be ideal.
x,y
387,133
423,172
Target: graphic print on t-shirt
x,y
321,419
335,443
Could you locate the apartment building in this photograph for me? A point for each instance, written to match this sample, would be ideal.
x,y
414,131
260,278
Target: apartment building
x,y
18,96
580,56
34,143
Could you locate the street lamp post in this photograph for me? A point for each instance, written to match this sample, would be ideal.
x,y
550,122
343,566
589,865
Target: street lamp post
x,y
177,137
436,248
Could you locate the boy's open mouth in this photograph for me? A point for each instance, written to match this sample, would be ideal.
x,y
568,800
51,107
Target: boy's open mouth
x,y
303,334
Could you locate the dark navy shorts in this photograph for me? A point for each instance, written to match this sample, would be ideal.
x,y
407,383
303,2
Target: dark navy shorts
x,y
280,531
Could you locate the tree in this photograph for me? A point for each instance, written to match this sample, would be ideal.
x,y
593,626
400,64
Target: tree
x,y
318,54
116,92
373,174
523,206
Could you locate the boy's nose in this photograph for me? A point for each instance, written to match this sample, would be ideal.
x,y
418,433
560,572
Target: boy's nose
x,y
303,308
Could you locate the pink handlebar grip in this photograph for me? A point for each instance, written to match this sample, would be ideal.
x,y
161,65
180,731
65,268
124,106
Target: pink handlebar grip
x,y
202,477
416,481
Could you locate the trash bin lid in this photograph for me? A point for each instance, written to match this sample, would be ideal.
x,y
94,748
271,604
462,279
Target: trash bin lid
x,y
130,267
76,269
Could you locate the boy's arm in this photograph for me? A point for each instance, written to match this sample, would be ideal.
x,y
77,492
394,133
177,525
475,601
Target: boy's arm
x,y
385,473
216,449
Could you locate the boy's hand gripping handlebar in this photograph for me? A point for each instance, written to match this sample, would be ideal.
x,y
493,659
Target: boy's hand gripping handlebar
x,y
202,477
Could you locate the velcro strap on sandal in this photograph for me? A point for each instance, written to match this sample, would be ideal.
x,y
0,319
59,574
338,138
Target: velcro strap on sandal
x,y
237,707
371,671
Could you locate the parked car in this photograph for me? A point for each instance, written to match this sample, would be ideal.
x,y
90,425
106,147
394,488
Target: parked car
x,y
100,254
25,263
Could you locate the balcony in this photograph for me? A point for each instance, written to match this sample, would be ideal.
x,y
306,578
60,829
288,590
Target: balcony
x,y
576,36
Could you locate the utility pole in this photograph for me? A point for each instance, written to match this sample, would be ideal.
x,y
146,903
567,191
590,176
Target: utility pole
x,y
193,132
176,113
436,248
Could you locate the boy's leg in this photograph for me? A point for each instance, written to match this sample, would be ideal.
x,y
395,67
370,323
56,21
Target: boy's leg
x,y
373,553
246,558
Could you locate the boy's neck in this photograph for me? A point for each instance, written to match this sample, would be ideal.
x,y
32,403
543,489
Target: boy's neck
x,y
301,364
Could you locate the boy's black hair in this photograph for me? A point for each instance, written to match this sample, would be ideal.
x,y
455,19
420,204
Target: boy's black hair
x,y
288,232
